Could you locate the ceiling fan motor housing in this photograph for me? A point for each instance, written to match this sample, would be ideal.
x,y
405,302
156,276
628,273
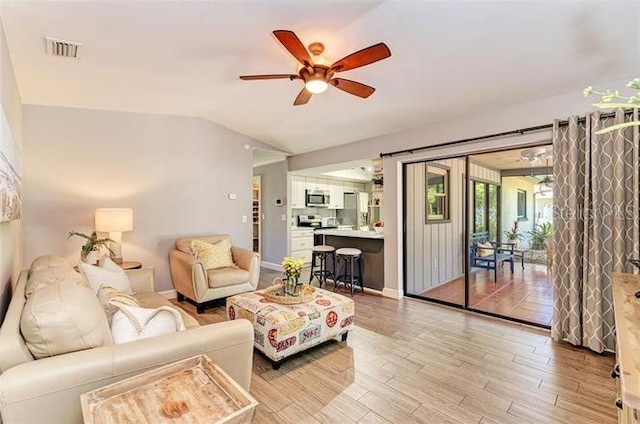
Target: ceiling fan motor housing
x,y
320,72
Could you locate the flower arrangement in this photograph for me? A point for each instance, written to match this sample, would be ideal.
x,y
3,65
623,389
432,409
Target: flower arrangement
x,y
292,270
614,99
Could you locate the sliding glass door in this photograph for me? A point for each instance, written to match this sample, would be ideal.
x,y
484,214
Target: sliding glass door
x,y
434,217
476,231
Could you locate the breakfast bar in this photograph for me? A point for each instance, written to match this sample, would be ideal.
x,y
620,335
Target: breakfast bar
x,y
370,243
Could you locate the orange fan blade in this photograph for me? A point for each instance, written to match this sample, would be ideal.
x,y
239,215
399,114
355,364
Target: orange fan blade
x,y
268,77
352,87
362,57
292,43
303,98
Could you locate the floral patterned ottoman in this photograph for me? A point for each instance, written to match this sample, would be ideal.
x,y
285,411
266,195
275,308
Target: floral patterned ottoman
x,y
282,330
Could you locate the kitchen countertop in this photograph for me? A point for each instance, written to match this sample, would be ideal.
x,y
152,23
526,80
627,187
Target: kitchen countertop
x,y
351,233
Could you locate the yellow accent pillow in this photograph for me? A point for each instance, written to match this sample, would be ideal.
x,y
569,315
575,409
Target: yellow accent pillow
x,y
485,249
212,256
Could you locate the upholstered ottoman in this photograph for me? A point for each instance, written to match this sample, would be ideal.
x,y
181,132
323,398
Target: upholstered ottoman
x,y
282,330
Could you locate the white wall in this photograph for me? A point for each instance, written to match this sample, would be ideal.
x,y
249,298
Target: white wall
x,y
274,229
9,231
509,213
513,117
175,172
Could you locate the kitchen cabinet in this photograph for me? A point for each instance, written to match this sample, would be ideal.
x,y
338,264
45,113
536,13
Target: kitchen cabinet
x,y
351,187
317,184
301,244
298,195
336,194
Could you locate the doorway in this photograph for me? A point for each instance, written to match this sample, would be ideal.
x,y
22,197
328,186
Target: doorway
x,y
475,234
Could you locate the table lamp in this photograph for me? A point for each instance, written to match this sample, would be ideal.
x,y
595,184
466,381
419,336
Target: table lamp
x,y
114,221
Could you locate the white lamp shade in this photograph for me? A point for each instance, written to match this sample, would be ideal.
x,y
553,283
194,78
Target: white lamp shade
x,y
114,219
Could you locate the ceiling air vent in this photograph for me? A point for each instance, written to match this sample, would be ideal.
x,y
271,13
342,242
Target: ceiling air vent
x,y
62,48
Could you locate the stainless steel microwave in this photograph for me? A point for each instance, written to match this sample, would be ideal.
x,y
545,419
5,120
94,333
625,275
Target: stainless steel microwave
x,y
317,198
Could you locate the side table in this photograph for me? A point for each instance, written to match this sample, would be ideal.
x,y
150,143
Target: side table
x,y
519,254
130,265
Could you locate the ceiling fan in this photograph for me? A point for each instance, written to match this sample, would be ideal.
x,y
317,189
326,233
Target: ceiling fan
x,y
547,181
317,75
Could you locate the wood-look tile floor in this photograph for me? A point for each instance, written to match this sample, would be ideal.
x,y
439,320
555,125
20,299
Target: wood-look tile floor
x,y
526,294
408,361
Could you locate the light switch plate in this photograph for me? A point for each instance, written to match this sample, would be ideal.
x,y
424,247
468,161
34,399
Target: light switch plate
x,y
232,196
244,218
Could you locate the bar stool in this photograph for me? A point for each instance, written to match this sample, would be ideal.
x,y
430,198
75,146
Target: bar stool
x,y
348,256
321,253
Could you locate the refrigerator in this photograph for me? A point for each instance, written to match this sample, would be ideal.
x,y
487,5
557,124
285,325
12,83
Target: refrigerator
x,y
356,211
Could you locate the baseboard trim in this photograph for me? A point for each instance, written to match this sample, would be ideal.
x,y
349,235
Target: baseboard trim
x,y
168,294
271,265
393,293
373,291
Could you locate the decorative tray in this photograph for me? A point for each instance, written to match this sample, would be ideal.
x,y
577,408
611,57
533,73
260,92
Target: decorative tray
x,y
274,294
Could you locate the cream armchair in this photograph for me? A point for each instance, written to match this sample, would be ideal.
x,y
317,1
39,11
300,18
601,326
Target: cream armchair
x,y
191,280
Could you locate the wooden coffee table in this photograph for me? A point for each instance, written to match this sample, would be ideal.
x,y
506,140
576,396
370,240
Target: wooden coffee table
x,y
190,390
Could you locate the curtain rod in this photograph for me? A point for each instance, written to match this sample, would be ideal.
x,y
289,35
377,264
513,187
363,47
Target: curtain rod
x,y
521,131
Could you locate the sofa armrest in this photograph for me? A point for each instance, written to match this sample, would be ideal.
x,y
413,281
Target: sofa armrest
x,y
188,275
48,390
247,260
141,280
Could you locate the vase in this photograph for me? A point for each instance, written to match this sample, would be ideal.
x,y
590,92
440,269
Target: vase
x,y
291,286
91,258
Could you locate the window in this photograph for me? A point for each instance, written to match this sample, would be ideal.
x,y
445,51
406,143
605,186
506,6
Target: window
x,y
437,194
522,205
486,205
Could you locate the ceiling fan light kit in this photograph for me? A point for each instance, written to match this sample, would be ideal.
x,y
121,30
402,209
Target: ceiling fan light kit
x,y
316,74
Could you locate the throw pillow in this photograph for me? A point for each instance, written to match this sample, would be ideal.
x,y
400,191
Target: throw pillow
x,y
132,323
111,298
109,274
485,249
213,256
61,318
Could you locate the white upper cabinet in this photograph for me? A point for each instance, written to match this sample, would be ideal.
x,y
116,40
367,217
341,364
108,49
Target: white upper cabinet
x,y
317,184
298,195
353,187
336,194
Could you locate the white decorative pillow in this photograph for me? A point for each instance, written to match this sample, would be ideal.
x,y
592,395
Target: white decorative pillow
x,y
109,274
212,256
485,249
132,323
111,299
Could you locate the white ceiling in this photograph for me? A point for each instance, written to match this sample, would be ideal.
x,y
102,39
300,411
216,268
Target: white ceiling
x,y
511,159
448,58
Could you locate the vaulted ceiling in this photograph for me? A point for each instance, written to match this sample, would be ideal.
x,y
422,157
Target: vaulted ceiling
x,y
448,58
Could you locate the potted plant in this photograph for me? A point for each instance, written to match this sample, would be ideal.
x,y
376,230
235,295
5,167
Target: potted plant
x,y
539,234
514,235
90,251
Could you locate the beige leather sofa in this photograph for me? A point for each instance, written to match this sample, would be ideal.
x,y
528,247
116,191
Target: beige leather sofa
x,y
193,281
48,390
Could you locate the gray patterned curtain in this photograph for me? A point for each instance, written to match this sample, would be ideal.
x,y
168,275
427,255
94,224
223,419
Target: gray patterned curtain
x,y
596,218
